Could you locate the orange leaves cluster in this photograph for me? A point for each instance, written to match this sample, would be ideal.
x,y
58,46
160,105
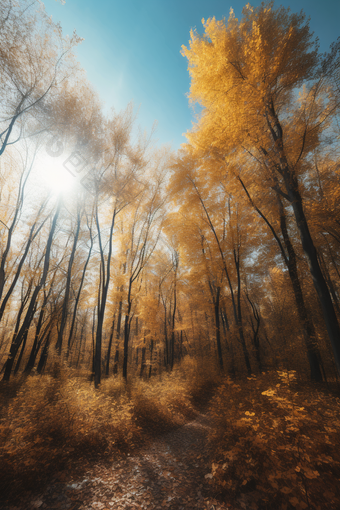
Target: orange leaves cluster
x,y
235,66
272,447
51,422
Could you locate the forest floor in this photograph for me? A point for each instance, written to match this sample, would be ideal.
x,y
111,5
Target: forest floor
x,y
267,442
169,473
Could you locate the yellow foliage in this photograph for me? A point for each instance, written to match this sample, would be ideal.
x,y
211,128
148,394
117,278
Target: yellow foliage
x,y
279,448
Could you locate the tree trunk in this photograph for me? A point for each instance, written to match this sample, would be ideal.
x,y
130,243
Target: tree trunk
x,y
44,354
18,270
67,289
31,309
217,326
107,370
102,295
256,338
127,331
116,361
17,366
119,321
329,282
239,310
313,354
142,366
151,360
78,296
309,334
294,196
320,285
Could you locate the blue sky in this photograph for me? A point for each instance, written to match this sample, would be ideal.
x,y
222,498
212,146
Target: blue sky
x,y
131,50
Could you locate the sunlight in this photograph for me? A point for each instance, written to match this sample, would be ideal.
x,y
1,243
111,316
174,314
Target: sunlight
x,y
52,174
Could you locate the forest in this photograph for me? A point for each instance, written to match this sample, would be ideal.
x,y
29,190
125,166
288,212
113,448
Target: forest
x,y
145,290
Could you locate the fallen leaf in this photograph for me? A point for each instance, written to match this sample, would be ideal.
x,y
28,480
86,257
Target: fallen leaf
x,y
285,490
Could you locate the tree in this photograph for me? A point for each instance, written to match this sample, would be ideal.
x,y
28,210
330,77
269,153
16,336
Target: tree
x,y
117,185
220,233
35,59
245,76
290,259
68,283
146,227
22,332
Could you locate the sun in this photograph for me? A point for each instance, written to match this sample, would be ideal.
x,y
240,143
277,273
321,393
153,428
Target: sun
x,y
51,173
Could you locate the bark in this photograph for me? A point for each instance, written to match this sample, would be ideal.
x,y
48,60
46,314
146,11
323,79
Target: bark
x,y
329,282
30,312
309,334
119,321
82,335
31,237
127,324
289,258
116,361
173,315
74,315
67,289
236,308
180,354
34,351
44,353
218,329
11,228
107,369
151,359
239,310
166,341
215,294
143,364
295,198
255,329
102,295
17,366
93,341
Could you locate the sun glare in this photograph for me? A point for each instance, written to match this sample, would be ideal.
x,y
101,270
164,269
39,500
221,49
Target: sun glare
x,y
52,174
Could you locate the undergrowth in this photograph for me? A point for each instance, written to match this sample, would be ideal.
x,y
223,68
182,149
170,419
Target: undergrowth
x,y
50,424
276,444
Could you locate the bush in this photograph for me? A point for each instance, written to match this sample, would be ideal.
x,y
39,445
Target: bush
x,y
50,422
276,447
163,405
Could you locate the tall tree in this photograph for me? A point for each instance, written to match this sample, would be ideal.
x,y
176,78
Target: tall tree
x,y
290,259
245,74
146,227
35,59
19,337
117,185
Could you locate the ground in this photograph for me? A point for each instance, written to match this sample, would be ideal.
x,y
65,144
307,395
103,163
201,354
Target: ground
x,y
172,473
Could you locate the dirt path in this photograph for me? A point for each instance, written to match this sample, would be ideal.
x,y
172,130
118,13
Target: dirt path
x,y
169,474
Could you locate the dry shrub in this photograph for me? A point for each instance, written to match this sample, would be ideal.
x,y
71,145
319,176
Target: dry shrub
x,y
276,446
54,421
164,404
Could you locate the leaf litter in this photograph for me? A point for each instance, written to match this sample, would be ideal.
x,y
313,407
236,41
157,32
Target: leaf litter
x,y
169,473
